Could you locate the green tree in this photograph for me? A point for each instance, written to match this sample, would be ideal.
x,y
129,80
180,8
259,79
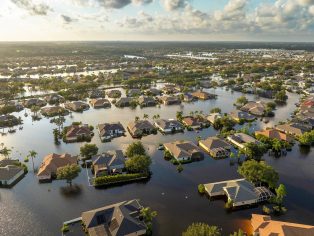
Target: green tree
x,y
138,164
259,172
215,110
88,150
281,192
238,233
307,138
136,119
68,173
201,229
6,152
254,150
35,110
145,116
179,115
242,100
135,148
32,154
148,216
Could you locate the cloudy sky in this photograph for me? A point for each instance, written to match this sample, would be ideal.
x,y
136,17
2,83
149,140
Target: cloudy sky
x,y
185,20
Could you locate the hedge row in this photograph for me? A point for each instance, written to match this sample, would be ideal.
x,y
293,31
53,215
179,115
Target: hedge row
x,y
112,179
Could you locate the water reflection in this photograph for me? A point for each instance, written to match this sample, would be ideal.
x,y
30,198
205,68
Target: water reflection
x,y
40,209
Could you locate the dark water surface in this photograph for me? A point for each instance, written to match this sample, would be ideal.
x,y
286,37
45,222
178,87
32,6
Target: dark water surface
x,y
30,208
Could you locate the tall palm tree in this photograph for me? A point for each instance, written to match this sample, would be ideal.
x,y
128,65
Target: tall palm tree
x,y
137,118
6,152
145,116
32,154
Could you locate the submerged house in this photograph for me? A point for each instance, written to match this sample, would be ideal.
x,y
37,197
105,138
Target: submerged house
x,y
295,129
76,133
124,102
100,103
145,101
274,134
238,191
76,106
108,163
119,219
137,129
10,172
239,116
216,147
107,131
263,225
34,102
184,150
48,169
169,126
170,100
203,95
54,111
241,139
255,108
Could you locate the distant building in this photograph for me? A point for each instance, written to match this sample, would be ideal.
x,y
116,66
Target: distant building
x,y
34,102
241,115
54,98
213,117
184,150
114,93
255,108
169,126
203,95
124,102
54,111
76,106
145,101
170,100
263,225
239,191
96,93
100,103
134,92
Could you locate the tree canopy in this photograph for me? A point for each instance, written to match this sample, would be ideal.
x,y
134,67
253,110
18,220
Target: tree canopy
x,y
138,164
201,229
259,172
135,148
68,173
88,150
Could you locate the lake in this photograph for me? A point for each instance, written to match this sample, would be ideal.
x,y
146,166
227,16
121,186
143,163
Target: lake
x,y
30,208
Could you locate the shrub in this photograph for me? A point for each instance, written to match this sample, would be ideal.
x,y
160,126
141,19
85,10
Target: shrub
x,y
201,188
65,228
179,168
111,179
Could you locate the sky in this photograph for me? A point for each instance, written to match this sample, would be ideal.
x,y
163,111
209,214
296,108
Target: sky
x,y
157,20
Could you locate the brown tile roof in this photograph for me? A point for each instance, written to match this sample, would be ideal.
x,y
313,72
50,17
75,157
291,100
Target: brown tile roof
x,y
77,130
54,161
274,134
265,227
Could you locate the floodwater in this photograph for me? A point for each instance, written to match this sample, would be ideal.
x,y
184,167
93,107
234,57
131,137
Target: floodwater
x,y
30,208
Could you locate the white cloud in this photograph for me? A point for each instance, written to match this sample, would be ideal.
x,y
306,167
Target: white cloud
x,y
32,8
171,5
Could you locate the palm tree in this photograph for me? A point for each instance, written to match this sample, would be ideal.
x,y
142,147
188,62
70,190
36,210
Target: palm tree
x,y
192,113
6,152
35,110
137,118
145,116
32,154
59,122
